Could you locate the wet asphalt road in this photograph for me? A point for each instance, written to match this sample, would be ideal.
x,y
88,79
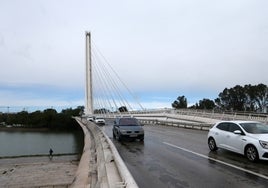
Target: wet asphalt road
x,y
177,157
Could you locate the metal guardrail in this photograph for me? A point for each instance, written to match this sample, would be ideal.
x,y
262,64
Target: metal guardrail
x,y
200,126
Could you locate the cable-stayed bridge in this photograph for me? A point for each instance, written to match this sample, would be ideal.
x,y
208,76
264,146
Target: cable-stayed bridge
x,y
174,152
107,94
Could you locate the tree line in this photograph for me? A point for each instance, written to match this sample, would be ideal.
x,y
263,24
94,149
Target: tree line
x,y
48,118
238,98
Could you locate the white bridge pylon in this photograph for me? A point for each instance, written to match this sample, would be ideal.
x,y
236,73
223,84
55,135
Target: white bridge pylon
x,y
105,90
89,97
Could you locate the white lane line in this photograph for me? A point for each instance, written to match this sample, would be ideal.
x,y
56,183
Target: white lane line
x,y
224,163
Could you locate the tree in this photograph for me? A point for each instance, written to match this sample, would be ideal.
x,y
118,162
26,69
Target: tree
x,y
245,98
250,103
258,97
22,118
206,104
181,102
49,118
233,98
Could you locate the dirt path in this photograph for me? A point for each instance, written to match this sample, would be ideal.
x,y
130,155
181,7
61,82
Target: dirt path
x,y
38,171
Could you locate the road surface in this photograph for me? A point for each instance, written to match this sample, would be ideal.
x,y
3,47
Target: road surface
x,y
177,157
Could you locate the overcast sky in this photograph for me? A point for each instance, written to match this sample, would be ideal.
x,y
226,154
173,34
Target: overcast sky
x,y
162,49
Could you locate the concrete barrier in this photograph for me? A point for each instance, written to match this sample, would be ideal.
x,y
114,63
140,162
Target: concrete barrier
x,y
128,180
82,175
100,165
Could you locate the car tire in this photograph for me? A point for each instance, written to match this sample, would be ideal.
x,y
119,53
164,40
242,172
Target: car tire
x,y
119,138
212,144
251,153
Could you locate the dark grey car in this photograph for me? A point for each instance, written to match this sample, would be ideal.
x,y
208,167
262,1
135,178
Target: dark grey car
x,y
127,128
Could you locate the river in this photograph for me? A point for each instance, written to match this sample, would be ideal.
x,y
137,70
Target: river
x,y
27,143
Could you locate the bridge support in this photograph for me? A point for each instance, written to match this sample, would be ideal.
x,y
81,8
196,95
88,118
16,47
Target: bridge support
x,y
89,97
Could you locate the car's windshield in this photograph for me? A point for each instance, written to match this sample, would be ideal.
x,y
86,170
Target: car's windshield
x,y
128,122
255,128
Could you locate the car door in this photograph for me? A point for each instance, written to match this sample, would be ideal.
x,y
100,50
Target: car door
x,y
221,134
235,141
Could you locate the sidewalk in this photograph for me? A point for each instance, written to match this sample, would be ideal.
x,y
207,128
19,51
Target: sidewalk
x,y
38,171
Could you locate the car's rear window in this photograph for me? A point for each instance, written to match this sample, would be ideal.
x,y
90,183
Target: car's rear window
x,y
128,122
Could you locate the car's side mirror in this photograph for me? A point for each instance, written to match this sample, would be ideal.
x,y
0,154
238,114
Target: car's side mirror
x,y
237,132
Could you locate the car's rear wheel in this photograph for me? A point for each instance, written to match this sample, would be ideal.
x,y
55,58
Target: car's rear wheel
x,y
212,144
251,153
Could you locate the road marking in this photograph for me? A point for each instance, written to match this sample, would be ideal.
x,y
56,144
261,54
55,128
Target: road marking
x,y
224,163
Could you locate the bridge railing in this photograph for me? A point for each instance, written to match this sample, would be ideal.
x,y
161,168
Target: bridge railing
x,y
156,122
189,118
224,115
213,114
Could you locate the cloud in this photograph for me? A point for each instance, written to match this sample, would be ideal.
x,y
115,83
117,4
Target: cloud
x,y
194,48
38,96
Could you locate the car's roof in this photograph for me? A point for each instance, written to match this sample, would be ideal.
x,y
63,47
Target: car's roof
x,y
238,121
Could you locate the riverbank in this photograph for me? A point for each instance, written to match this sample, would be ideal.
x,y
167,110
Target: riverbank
x,y
22,172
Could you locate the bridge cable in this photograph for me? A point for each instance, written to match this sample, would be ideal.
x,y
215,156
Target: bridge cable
x,y
117,76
